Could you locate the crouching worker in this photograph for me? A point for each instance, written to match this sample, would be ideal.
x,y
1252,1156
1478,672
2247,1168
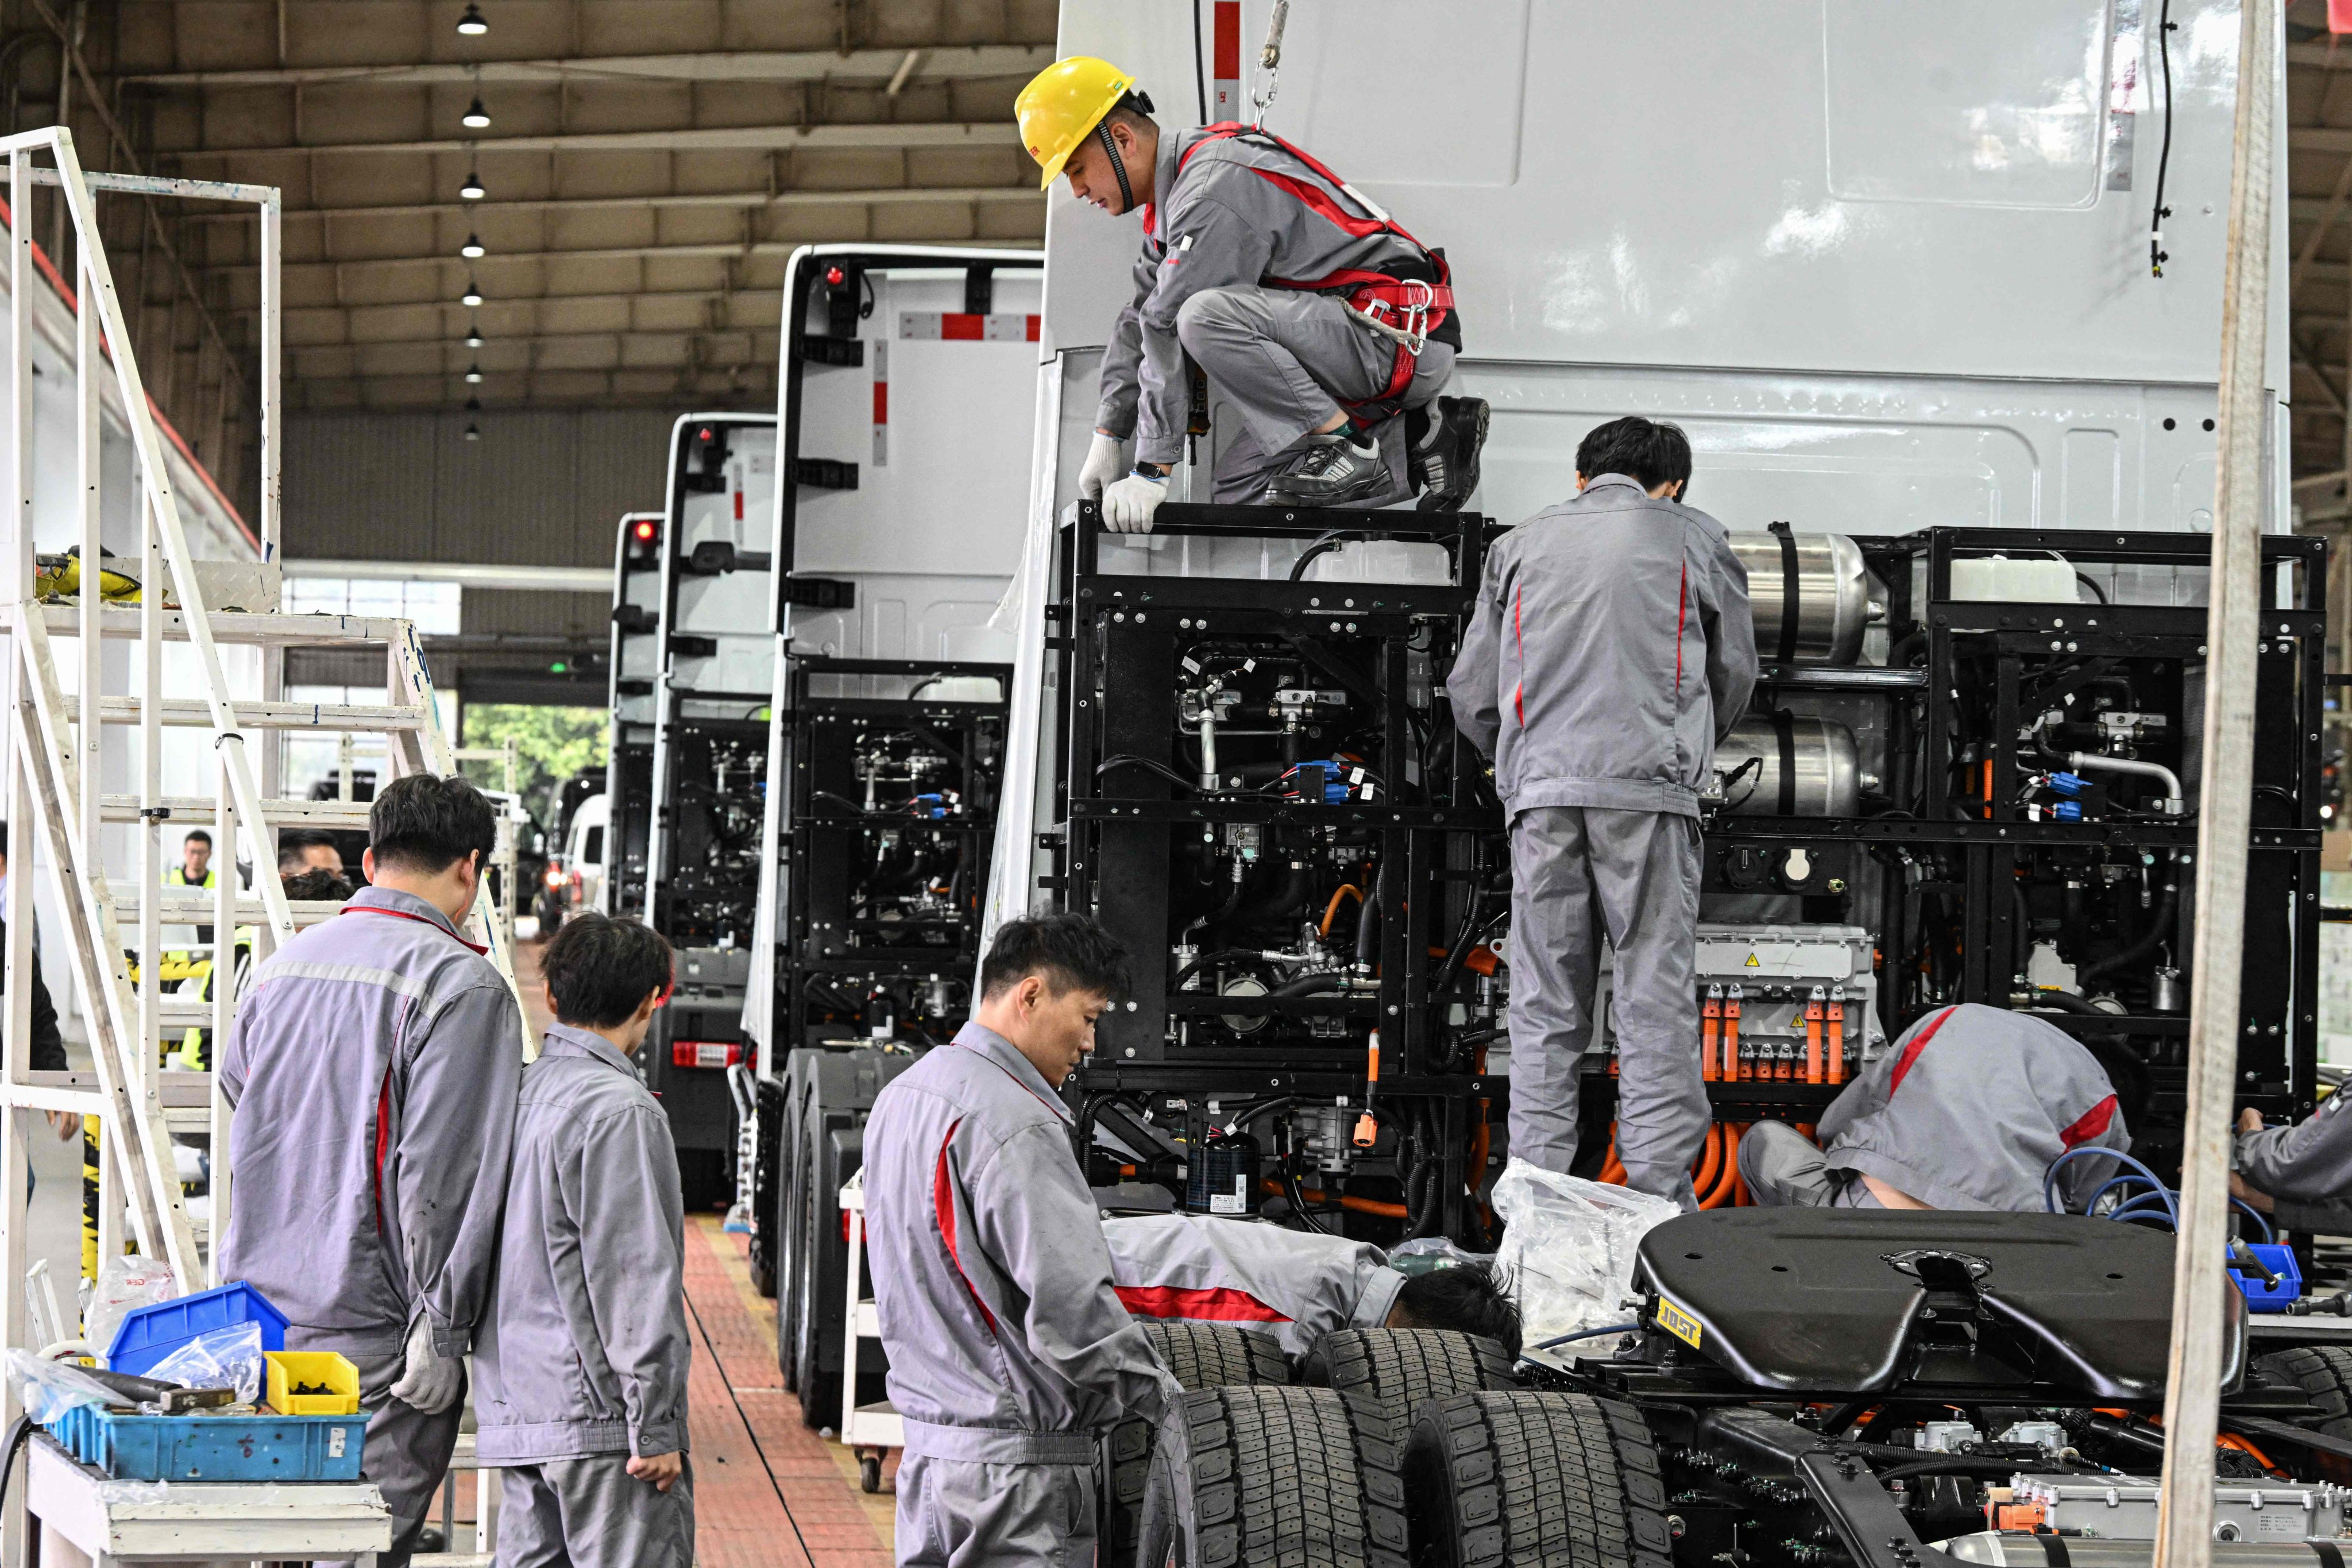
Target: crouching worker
x,y
2301,1175
1296,1286
1967,1110
583,1360
1010,1352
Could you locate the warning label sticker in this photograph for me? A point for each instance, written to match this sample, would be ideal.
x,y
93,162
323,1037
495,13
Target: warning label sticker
x,y
1677,1322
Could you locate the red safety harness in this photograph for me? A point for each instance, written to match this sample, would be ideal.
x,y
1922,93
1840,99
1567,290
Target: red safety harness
x,y
1408,310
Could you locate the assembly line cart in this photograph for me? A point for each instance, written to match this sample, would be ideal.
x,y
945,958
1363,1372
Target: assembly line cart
x,y
199,1521
871,1431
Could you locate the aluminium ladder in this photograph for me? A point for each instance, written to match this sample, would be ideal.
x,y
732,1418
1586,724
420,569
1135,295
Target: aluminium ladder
x,y
59,738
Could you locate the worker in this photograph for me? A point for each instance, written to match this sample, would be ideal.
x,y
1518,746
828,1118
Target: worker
x,y
1297,1286
2300,1174
302,849
1324,324
371,1075
194,871
582,1358
48,1053
1968,1110
1010,1352
1609,650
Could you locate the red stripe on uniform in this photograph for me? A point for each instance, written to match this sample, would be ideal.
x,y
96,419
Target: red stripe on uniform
x,y
2091,1123
1224,1306
382,1139
1918,1043
1319,202
1519,692
1681,620
943,1204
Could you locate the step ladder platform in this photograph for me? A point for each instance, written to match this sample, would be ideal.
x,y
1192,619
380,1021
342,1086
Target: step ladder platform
x,y
237,627
199,908
349,815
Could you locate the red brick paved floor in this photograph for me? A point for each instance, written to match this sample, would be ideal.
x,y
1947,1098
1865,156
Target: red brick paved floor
x,y
767,1489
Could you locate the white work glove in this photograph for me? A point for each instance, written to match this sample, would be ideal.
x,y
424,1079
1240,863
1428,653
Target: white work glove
x,y
1128,505
431,1382
1105,462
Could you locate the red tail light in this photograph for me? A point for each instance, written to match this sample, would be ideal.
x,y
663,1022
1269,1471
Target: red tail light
x,y
705,1053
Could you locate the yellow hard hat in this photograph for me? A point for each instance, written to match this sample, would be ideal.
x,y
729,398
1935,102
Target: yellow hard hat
x,y
1062,103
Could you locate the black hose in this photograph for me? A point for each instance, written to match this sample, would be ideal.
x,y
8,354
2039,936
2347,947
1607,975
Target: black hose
x,y
1222,955
19,1431
1368,918
2168,907
1324,545
2068,1001
1308,984
2096,592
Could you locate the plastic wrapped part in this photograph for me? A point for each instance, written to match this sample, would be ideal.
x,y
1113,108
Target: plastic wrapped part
x,y
48,1389
1425,1253
1569,1250
124,1283
222,1357
116,1493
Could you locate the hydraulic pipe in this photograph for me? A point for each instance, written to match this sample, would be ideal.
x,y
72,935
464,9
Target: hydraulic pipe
x,y
2087,761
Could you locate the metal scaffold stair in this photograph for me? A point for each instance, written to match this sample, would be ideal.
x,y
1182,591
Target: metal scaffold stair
x,y
74,716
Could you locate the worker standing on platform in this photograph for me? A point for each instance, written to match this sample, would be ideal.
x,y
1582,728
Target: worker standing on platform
x,y
194,871
584,1355
1609,650
372,1075
1320,320
1010,1351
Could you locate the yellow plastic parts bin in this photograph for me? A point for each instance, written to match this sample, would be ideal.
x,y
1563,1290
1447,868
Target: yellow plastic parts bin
x,y
289,1370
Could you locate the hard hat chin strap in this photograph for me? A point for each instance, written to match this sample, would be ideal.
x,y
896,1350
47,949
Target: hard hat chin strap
x,y
1117,165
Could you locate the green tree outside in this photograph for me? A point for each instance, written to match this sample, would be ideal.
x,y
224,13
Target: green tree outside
x,y
552,745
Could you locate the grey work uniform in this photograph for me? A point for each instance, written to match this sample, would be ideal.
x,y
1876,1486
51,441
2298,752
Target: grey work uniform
x,y
584,1355
1009,1353
1233,217
371,1071
1609,650
1967,1110
2306,1169
1296,1286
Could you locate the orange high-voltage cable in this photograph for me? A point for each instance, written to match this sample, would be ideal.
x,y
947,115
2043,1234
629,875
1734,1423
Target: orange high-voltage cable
x,y
1837,1039
1710,1028
1739,1195
1709,1164
1733,1067
1814,1036
1613,1169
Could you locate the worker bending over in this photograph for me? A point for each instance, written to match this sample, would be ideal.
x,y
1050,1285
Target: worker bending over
x,y
1320,320
1010,1352
1297,1286
1609,650
2300,1176
584,1358
1967,1110
373,1072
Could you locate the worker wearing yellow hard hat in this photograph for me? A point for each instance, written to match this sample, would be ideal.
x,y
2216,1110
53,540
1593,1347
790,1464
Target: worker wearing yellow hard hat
x,y
1327,330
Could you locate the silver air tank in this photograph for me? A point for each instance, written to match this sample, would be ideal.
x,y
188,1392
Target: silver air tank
x,y
1832,595
1823,761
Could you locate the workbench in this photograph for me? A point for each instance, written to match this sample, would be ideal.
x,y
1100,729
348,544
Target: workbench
x,y
109,1522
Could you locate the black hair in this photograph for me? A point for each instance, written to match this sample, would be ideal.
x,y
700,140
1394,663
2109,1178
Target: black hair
x,y
1649,451
292,841
1133,107
317,884
197,834
1471,1298
425,824
600,971
1071,951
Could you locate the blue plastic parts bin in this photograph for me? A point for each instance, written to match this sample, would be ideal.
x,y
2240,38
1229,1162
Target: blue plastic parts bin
x,y
214,1447
148,1334
2279,1260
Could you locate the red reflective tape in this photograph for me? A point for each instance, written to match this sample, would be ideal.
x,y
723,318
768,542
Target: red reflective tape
x,y
1681,621
962,326
881,403
739,506
1224,1306
943,1204
1918,1043
2091,1123
383,1140
1034,322
1225,34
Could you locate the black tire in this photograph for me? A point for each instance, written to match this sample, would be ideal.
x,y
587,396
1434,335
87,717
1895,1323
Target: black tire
x,y
1301,1477
820,1390
1211,1355
2323,1374
1565,1480
1398,1368
1198,1355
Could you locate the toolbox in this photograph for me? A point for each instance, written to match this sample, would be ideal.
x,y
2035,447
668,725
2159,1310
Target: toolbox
x,y
148,1334
289,1370
265,1448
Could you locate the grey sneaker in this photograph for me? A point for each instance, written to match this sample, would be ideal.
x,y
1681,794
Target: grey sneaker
x,y
1445,442
1338,469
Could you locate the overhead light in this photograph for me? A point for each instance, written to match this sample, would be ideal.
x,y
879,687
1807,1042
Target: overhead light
x,y
472,249
471,297
474,338
476,117
472,375
472,189
472,24
473,431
